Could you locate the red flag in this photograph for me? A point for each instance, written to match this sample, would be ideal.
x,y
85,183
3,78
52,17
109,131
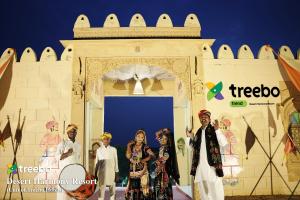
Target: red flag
x,y
293,73
5,64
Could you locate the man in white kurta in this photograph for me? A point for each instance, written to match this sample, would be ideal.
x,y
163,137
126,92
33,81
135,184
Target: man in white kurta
x,y
210,185
68,152
106,166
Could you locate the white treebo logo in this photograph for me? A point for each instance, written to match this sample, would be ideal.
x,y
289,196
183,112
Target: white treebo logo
x,y
38,169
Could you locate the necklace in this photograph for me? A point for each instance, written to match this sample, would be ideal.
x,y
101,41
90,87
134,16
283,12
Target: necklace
x,y
138,147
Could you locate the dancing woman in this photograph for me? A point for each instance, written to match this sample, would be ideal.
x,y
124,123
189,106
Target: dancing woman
x,y
138,153
166,166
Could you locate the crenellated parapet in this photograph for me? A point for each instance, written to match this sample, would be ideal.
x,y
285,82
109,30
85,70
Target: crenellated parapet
x,y
137,28
224,52
48,55
245,52
8,52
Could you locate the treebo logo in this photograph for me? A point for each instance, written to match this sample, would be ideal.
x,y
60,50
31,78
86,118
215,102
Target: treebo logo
x,y
238,92
12,169
214,91
257,92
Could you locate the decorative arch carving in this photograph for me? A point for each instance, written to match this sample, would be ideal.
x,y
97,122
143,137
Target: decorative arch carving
x,y
97,67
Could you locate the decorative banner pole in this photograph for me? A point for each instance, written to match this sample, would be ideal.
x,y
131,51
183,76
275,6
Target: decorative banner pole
x,y
269,164
15,146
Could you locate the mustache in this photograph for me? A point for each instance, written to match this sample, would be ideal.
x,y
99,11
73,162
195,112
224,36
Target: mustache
x,y
204,120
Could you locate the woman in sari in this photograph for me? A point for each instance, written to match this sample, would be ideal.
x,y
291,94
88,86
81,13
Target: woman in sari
x,y
138,153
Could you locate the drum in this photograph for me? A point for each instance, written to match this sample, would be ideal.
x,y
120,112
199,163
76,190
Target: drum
x,y
76,182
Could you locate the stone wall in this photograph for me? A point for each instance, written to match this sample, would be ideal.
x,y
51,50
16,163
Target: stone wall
x,y
246,71
42,90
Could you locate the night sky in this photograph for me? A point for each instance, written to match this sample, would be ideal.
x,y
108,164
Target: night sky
x,y
123,116
41,23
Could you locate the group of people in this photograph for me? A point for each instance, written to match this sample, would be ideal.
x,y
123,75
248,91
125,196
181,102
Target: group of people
x,y
166,167
139,154
206,164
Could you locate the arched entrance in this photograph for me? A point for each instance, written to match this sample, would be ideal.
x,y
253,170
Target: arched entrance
x,y
181,56
117,79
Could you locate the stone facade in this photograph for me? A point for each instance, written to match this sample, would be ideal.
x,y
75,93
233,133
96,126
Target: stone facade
x,y
63,89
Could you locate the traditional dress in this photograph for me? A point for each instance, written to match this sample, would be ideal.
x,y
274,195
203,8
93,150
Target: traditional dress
x,y
207,162
162,182
63,147
138,184
166,168
106,168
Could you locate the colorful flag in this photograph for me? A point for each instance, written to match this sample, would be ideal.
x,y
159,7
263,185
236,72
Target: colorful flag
x,y
249,140
293,73
5,64
272,123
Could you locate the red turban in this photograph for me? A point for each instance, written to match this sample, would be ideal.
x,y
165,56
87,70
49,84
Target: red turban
x,y
204,112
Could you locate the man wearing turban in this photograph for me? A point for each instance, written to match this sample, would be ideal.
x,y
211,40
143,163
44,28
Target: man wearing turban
x,y
106,169
207,162
68,152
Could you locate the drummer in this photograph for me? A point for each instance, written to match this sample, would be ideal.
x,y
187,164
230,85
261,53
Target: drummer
x,y
106,169
68,152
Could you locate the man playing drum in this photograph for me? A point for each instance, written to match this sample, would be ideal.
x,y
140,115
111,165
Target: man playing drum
x,y
68,152
106,166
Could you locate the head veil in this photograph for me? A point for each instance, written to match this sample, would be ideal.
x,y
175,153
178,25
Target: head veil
x,y
172,164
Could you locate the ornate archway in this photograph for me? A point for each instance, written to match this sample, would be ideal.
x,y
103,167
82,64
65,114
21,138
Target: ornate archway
x,y
177,50
89,70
